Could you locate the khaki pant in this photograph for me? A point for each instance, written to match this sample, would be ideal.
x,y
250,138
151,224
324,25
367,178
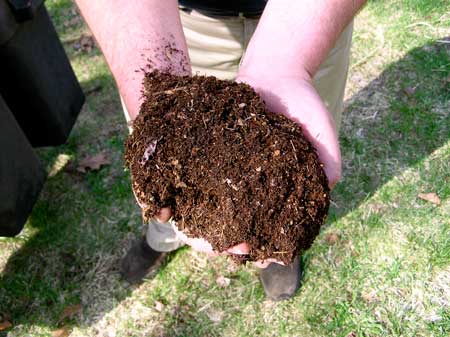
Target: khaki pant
x,y
216,47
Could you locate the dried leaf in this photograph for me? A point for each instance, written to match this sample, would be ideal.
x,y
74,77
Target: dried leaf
x,y
223,281
63,332
332,238
5,325
216,316
93,162
369,297
70,311
72,22
410,91
93,90
85,43
431,197
159,306
232,268
5,316
352,334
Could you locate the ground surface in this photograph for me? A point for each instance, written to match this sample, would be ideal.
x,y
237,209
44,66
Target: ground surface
x,y
380,266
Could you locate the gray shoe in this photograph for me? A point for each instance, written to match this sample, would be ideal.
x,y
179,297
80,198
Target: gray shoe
x,y
281,282
140,260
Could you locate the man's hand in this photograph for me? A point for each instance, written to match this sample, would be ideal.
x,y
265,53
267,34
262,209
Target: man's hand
x,y
297,99
293,38
291,41
198,244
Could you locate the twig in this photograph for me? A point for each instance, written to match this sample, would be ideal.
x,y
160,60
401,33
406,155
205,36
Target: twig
x,y
421,24
295,156
170,91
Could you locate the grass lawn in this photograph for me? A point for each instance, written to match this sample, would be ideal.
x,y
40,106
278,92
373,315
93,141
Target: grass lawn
x,y
380,267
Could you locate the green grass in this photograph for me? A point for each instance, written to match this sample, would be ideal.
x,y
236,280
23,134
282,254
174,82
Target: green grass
x,y
388,274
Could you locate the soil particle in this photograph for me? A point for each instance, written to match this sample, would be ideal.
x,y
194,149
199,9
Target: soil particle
x,y
231,170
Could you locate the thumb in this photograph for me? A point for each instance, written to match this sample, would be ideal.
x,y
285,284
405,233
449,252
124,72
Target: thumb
x,y
240,249
164,214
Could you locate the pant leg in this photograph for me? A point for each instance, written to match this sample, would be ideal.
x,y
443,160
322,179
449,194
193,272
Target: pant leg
x,y
216,44
331,78
162,236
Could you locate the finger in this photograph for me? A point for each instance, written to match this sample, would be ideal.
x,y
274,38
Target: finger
x,y
164,214
240,249
261,264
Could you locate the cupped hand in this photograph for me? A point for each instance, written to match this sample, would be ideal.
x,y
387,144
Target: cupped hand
x,y
198,244
297,99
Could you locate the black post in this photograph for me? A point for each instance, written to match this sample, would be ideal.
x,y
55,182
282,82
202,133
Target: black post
x,y
40,99
21,175
37,81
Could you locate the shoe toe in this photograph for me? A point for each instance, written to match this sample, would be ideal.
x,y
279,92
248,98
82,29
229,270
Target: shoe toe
x,y
139,261
281,282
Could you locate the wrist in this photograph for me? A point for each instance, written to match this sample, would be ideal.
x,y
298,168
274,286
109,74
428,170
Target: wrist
x,y
262,76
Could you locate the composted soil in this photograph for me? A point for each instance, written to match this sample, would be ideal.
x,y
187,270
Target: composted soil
x,y
230,170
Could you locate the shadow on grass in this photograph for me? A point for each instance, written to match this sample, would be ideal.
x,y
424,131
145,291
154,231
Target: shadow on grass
x,y
76,227
394,123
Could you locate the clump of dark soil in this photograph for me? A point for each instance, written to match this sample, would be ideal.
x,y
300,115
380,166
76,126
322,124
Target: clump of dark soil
x,y
231,170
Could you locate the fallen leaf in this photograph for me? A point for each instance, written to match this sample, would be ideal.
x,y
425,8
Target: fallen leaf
x,y
377,208
410,91
332,238
431,197
215,316
85,43
63,332
70,311
72,22
159,306
232,268
5,325
223,281
352,334
369,297
93,90
5,316
93,162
